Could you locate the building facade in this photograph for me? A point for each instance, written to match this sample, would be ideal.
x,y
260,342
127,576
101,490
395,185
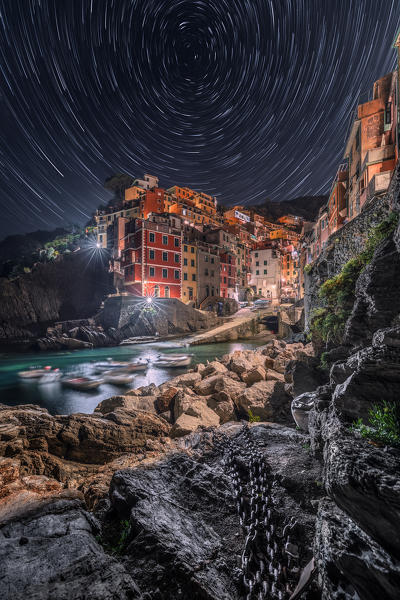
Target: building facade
x,y
266,270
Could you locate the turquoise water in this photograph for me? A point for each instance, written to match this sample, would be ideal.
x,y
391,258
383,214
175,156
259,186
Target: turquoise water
x,y
60,400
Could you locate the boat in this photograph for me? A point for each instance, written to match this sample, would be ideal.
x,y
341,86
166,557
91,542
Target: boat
x,y
50,377
173,361
82,383
33,373
110,364
117,377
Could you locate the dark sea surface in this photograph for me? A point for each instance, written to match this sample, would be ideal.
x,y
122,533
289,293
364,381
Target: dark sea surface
x,y
58,399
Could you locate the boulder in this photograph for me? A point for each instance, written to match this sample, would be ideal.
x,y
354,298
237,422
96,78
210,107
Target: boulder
x,y
274,376
198,414
231,387
214,368
239,364
223,406
254,375
265,399
145,403
165,401
207,385
186,380
51,551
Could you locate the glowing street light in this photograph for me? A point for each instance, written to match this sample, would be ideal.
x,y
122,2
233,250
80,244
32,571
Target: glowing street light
x,y
149,300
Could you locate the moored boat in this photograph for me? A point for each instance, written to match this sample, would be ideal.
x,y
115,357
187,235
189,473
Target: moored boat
x,y
82,383
50,377
117,377
33,374
173,361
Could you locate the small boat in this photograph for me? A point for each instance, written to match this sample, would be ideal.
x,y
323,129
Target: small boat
x,y
82,383
137,365
117,377
173,361
33,374
50,377
109,364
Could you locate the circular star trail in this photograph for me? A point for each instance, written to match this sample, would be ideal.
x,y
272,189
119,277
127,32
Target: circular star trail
x,y
243,99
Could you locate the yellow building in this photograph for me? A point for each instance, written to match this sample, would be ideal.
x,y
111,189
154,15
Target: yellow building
x,y
189,272
283,234
133,193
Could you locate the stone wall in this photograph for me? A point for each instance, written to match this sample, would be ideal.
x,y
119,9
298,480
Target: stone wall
x,y
346,243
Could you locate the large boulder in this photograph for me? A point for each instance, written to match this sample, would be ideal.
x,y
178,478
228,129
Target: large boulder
x,y
198,414
165,401
256,374
185,380
51,551
214,368
265,399
145,403
223,406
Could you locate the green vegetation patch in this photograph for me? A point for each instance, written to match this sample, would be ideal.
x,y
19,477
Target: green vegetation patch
x,y
384,427
338,293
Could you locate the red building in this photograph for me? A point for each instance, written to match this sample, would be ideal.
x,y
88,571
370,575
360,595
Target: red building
x,y
152,260
227,275
152,201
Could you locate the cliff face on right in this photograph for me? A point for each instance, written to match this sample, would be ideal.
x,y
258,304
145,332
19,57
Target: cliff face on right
x,y
353,316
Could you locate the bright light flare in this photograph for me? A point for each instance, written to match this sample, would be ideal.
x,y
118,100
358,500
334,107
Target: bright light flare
x,y
149,300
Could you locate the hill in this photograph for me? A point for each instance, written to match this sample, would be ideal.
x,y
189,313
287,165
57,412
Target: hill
x,y
304,206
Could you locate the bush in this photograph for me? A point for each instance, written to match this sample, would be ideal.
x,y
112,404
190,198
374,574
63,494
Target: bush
x,y
384,425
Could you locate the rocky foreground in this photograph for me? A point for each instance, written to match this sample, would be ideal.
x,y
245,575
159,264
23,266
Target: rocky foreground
x,y
169,492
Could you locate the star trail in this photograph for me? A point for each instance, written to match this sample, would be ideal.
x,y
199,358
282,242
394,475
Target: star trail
x,y
243,99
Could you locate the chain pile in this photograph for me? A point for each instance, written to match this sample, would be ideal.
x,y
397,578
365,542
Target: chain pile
x,y
270,558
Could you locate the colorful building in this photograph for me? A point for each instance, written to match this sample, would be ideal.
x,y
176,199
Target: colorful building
x,y
189,272
266,269
337,206
208,273
152,259
228,285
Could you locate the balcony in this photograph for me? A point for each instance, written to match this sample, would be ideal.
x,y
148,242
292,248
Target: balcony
x,y
377,155
379,184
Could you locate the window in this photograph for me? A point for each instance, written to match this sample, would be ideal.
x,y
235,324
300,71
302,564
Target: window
x,y
212,273
257,263
193,277
388,113
265,271
151,271
165,273
192,262
165,256
256,254
206,272
176,274
152,237
185,262
192,250
265,262
151,254
212,260
257,272
185,248
165,240
185,276
206,258
156,291
224,279
166,292
177,258
176,242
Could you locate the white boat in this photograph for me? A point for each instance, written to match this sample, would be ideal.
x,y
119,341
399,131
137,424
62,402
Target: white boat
x,y
82,383
109,364
33,374
137,365
118,377
173,361
50,377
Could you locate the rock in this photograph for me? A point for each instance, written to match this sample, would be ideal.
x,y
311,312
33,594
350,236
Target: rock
x,y
165,400
73,344
272,375
145,403
198,414
301,407
254,375
186,380
350,564
214,368
50,551
207,385
303,377
231,387
239,364
223,406
182,402
265,399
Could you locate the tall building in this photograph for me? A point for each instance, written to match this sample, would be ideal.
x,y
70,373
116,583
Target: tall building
x,y
189,271
152,259
208,273
266,269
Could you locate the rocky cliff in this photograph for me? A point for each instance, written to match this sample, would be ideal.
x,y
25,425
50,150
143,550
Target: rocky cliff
x,y
71,287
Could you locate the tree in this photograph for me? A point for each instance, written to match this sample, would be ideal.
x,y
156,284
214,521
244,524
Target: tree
x,y
118,183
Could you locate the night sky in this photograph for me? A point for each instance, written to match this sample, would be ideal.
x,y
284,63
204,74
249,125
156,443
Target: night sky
x,y
243,99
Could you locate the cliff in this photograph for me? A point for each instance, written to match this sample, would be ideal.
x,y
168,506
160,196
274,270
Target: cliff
x,y
71,287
